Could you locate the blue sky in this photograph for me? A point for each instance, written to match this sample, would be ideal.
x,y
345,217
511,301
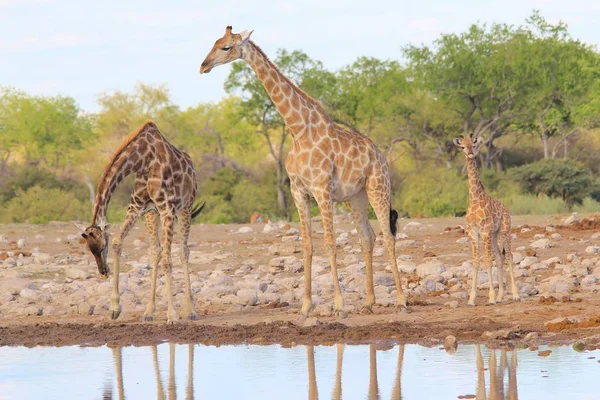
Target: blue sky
x,y
81,48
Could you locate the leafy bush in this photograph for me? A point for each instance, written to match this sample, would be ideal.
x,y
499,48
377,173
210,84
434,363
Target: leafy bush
x,y
564,179
435,193
38,205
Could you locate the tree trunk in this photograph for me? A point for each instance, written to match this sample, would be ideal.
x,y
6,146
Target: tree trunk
x,y
545,144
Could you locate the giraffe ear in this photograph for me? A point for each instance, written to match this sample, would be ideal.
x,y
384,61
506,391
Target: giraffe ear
x,y
245,36
457,142
476,141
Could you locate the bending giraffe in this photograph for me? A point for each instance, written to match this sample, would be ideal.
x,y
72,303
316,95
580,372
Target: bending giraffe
x,y
487,220
165,189
326,162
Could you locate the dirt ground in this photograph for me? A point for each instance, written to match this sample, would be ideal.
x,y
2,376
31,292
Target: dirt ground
x,y
428,322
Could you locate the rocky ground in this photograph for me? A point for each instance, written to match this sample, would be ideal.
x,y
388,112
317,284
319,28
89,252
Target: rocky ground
x,y
247,284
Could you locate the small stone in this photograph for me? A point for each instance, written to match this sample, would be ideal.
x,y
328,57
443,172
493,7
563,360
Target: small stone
x,y
430,268
531,336
579,347
450,344
539,236
550,229
596,236
571,219
21,243
452,304
556,236
592,249
541,244
270,228
527,261
463,240
245,229
412,225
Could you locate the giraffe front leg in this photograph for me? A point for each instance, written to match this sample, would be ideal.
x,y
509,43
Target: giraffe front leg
x,y
474,239
488,260
152,228
326,205
302,202
130,218
167,265
188,311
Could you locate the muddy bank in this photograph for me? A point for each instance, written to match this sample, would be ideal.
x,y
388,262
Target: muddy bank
x,y
429,325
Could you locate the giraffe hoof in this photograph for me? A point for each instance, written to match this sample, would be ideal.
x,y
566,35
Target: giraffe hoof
x,y
340,314
491,303
147,318
366,310
517,298
301,319
471,303
402,308
115,314
192,317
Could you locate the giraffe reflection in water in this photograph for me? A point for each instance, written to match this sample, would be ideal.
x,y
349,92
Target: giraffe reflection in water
x,y
496,390
496,373
373,391
160,393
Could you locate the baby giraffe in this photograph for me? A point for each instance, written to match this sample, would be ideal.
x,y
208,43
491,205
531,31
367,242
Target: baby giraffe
x,y
486,218
164,190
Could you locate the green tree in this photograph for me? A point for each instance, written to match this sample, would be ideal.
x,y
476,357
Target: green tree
x,y
565,179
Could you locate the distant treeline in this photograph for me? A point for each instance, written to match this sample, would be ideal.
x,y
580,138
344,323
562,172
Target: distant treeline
x,y
532,92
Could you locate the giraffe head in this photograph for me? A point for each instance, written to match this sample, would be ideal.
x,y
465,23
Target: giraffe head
x,y
225,50
469,146
96,238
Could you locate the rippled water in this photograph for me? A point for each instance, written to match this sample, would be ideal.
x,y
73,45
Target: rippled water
x,y
273,372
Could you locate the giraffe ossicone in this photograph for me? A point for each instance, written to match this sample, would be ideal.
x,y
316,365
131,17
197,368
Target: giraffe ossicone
x,y
326,162
488,220
164,191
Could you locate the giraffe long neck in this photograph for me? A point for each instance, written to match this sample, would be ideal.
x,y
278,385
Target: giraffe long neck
x,y
475,185
129,159
298,110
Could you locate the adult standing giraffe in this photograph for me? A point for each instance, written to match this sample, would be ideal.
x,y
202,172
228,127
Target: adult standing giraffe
x,y
327,162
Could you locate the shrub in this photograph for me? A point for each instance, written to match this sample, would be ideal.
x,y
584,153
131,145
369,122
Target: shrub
x,y
564,179
37,205
435,193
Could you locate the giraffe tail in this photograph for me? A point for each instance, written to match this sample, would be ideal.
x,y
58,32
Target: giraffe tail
x,y
393,221
197,209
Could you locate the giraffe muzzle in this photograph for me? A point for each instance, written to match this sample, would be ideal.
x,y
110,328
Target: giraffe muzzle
x,y
204,68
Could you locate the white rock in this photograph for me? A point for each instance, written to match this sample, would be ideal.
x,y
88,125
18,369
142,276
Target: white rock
x,y
552,261
589,280
407,267
463,240
452,304
270,228
541,244
517,257
245,229
413,225
536,266
592,249
556,236
527,261
378,252
596,236
539,236
401,235
21,243
596,272
77,273
571,219
407,243
430,268
9,262
550,229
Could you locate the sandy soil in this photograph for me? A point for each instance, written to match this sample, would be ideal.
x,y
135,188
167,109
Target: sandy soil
x,y
429,321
